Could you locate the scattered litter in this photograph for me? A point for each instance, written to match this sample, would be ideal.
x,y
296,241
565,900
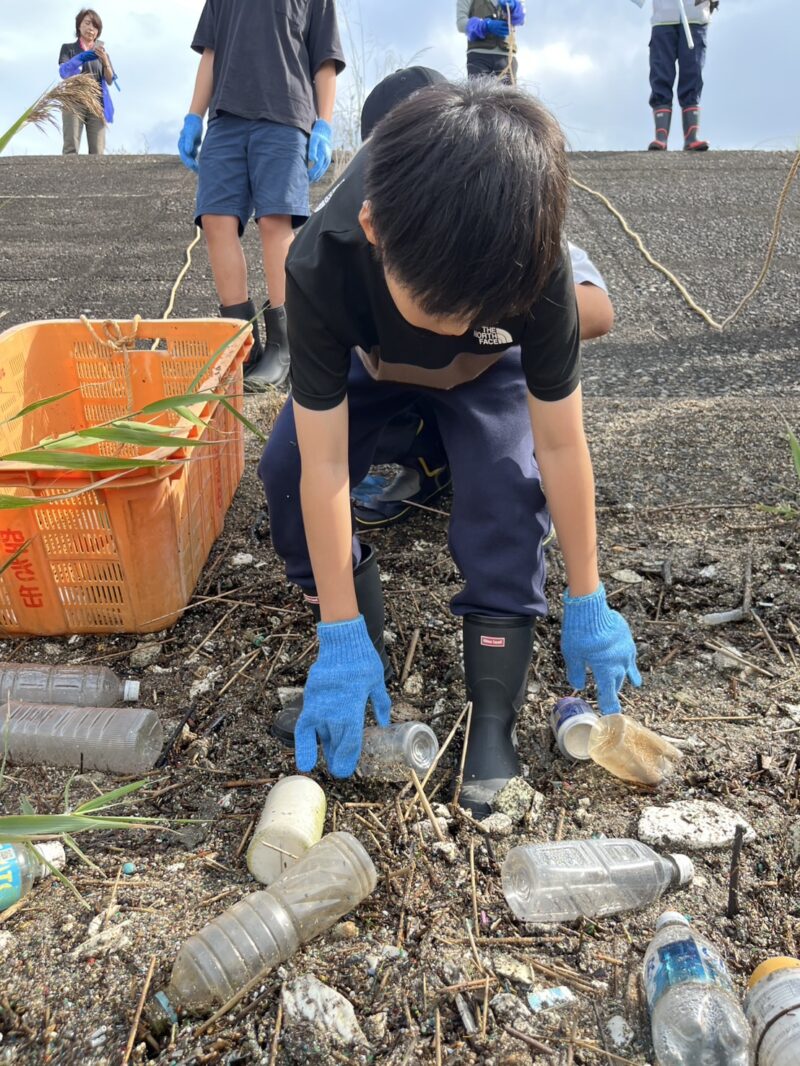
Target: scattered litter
x,y
708,572
76,685
727,659
627,577
692,743
514,799
308,1000
620,1032
722,618
448,849
242,559
414,685
345,931
794,843
631,751
7,942
551,998
98,1037
203,685
572,721
426,829
20,868
512,969
144,655
98,923
772,1007
112,938
293,819
129,868
696,824
466,1015
510,1010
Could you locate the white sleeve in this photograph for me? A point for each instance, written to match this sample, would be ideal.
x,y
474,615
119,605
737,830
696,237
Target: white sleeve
x,y
462,14
584,272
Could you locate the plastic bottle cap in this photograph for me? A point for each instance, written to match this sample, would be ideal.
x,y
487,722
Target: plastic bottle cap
x,y
781,962
685,868
130,691
53,852
671,918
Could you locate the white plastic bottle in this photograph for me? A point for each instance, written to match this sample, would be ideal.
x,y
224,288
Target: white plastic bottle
x,y
291,822
388,753
77,686
566,880
772,1007
124,740
19,869
266,927
694,1012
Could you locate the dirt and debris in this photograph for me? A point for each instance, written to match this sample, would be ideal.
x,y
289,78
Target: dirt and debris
x,y
687,447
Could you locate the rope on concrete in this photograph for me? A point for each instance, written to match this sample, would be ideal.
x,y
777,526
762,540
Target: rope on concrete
x,y
682,290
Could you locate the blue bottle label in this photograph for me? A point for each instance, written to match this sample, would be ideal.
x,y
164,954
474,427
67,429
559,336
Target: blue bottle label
x,y
684,960
10,877
568,708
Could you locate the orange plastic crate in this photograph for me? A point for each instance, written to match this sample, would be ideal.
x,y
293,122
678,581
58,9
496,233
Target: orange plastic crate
x,y
121,555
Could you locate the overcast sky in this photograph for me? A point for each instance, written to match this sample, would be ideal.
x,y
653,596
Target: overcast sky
x,y
587,59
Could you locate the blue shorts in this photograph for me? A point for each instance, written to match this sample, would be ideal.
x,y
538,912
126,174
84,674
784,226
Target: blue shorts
x,y
252,167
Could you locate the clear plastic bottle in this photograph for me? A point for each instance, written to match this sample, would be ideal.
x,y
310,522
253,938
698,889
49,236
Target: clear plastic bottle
x,y
125,740
266,927
772,1006
631,751
588,878
694,1012
388,753
19,868
77,686
292,821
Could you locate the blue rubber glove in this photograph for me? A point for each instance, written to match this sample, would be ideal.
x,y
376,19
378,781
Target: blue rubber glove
x,y
497,27
476,29
516,8
189,140
595,636
84,57
70,68
347,673
320,149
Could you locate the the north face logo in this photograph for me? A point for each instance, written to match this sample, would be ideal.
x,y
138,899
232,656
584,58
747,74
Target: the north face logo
x,y
492,335
493,642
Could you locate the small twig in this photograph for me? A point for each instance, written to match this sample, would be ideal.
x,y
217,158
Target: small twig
x,y
245,836
237,998
211,632
137,1016
427,807
756,618
485,1012
412,648
438,1038
474,946
475,925
434,764
537,1045
733,654
562,814
463,986
733,883
460,778
239,672
273,1051
590,1046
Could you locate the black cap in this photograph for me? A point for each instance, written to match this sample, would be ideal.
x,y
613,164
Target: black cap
x,y
391,91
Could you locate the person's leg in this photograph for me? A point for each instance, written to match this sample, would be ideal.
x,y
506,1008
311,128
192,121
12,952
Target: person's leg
x,y
484,64
71,126
690,88
279,180
95,135
226,257
663,56
499,521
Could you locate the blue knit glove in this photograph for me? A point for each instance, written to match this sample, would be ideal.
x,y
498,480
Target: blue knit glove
x,y
516,8
189,141
320,149
347,673
595,636
85,57
497,27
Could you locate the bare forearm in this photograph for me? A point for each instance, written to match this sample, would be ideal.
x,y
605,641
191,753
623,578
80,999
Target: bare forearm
x,y
568,484
325,90
203,85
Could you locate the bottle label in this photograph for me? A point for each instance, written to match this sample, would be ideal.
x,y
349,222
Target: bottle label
x,y
680,961
10,877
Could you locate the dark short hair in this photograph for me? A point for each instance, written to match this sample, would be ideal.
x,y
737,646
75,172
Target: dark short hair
x,y
467,187
393,89
90,11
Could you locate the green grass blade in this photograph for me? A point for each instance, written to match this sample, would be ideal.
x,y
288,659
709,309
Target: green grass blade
x,y
81,855
97,803
65,881
794,444
13,558
17,126
26,806
37,404
201,373
175,403
78,461
244,420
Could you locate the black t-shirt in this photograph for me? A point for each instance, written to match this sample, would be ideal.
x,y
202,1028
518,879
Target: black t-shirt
x,y
337,300
92,66
266,53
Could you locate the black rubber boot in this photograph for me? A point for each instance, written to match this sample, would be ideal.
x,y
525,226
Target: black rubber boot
x,y
691,130
369,597
248,312
272,369
497,654
663,120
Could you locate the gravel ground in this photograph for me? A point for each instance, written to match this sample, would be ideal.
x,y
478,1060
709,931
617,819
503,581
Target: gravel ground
x,y
688,445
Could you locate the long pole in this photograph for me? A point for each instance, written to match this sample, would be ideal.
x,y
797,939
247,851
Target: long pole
x,y
687,29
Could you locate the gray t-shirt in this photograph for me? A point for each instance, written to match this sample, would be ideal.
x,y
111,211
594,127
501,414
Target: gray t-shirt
x,y
266,53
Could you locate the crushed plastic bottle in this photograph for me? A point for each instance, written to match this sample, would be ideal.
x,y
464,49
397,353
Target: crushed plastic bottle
x,y
562,881
265,928
631,751
291,822
388,753
125,740
694,1012
772,1007
76,686
19,869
